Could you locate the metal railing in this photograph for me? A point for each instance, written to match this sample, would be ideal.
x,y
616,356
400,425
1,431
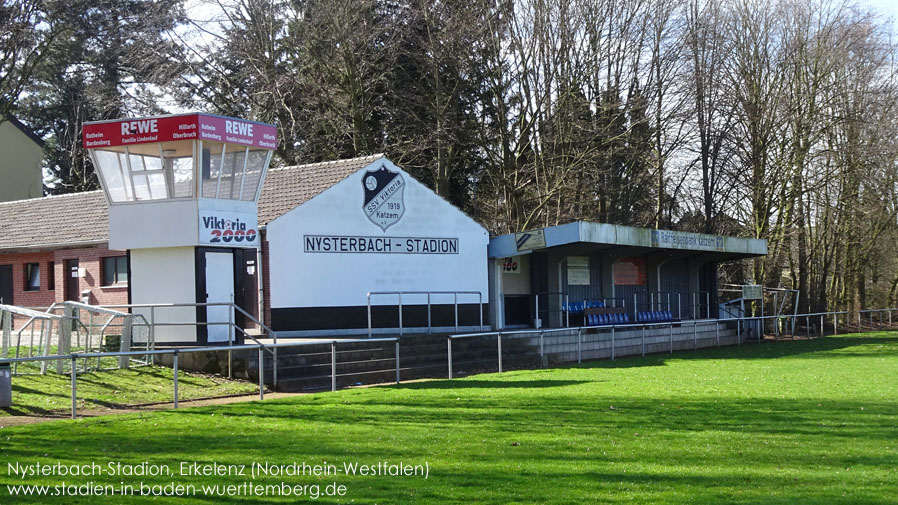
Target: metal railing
x,y
564,303
742,324
231,324
672,301
429,295
177,352
581,330
885,316
67,324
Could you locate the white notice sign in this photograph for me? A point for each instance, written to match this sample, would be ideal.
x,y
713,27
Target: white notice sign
x,y
578,271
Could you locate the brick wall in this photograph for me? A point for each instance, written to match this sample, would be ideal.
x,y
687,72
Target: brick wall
x,y
88,258
266,283
91,260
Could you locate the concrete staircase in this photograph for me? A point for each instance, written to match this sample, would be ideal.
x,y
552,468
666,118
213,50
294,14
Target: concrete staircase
x,y
308,368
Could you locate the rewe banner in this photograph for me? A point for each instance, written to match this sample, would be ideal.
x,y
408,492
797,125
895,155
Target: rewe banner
x,y
123,132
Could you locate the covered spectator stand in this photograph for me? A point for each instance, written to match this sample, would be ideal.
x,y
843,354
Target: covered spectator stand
x,y
595,274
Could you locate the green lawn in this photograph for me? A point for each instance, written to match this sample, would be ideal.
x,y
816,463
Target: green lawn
x,y
780,423
51,393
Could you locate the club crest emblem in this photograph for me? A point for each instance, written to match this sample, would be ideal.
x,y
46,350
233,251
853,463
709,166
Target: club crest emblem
x,y
384,192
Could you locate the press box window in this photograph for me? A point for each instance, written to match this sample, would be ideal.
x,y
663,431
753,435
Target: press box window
x,y
32,277
115,270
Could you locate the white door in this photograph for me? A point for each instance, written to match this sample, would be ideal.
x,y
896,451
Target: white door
x,y
219,288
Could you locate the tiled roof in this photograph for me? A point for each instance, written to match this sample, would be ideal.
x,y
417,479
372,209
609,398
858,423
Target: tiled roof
x,y
286,188
54,221
83,218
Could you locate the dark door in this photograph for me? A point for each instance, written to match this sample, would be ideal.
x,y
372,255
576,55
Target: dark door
x,y
6,284
250,286
72,288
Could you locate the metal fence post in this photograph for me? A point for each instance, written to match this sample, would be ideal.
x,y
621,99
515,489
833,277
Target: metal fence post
x,y
400,316
231,340
174,366
717,329
821,325
455,297
429,325
739,331
679,306
499,348
261,372
152,324
567,312
274,366
836,323
694,336
397,362
449,354
334,363
536,302
542,347
74,388
708,304
369,315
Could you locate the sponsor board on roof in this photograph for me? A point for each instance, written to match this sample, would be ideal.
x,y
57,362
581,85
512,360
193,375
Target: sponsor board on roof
x,y
101,134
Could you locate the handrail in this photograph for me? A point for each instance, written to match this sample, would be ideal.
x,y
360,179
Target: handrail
x,y
176,352
428,293
612,328
29,312
182,350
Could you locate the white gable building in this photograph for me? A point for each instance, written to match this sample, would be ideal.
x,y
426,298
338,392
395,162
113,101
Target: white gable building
x,y
376,233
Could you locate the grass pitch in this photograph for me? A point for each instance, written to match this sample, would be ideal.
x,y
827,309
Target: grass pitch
x,y
805,422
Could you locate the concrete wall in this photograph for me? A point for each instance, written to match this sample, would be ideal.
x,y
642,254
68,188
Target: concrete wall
x,y
166,275
20,165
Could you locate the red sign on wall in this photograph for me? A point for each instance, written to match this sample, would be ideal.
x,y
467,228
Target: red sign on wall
x,y
123,132
629,272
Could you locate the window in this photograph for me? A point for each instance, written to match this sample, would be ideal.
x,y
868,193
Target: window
x,y
32,277
51,276
115,270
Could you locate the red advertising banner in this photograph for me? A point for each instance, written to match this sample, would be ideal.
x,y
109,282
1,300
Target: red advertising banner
x,y
123,132
629,272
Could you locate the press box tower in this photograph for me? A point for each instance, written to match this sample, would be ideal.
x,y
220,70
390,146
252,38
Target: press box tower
x,y
183,192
